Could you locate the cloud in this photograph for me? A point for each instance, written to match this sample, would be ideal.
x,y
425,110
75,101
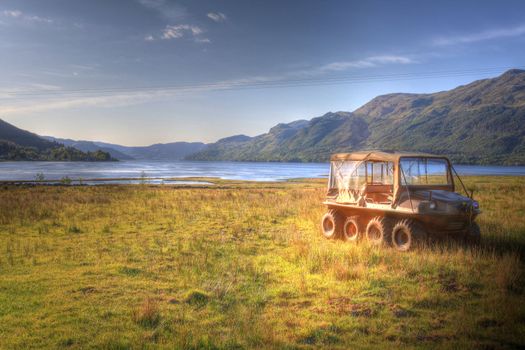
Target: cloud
x,y
217,16
39,19
492,34
166,9
32,99
64,99
372,61
13,13
59,102
19,15
173,12
85,67
41,97
16,92
180,31
202,40
73,102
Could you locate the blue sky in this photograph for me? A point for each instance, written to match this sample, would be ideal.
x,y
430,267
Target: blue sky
x,y
137,72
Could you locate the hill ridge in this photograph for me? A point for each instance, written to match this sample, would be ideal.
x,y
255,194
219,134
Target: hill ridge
x,y
19,144
478,123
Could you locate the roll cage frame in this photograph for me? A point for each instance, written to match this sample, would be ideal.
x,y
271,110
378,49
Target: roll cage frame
x,y
399,182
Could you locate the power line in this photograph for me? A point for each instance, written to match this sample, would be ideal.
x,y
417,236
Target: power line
x,y
243,84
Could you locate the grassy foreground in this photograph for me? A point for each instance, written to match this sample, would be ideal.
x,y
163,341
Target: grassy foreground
x,y
243,265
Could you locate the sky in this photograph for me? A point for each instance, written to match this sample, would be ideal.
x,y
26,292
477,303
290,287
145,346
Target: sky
x,y
138,72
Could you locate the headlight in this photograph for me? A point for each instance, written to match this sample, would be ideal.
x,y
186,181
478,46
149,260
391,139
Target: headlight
x,y
432,205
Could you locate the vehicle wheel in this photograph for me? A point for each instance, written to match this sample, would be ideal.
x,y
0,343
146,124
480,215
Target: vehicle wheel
x,y
351,229
406,234
379,231
332,224
473,234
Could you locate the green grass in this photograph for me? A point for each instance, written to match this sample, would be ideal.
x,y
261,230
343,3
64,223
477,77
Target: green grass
x,y
243,265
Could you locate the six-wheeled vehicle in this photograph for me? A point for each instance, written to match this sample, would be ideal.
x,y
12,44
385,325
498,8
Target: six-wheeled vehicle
x,y
396,199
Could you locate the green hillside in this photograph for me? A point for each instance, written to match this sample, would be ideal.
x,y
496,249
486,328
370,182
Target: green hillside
x,y
479,123
18,144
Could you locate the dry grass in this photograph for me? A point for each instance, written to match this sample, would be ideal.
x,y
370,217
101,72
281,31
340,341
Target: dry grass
x,y
148,315
243,265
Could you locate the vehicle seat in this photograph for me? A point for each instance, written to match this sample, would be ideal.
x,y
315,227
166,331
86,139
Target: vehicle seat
x,y
380,193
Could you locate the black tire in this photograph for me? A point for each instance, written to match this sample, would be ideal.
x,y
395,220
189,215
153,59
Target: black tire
x,y
379,231
407,234
351,229
473,234
332,224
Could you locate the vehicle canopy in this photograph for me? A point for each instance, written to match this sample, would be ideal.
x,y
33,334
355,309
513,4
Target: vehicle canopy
x,y
353,174
385,156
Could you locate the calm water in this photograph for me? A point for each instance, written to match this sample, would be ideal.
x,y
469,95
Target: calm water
x,y
225,170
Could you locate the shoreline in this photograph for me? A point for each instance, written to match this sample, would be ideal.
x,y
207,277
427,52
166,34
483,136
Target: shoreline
x,y
174,181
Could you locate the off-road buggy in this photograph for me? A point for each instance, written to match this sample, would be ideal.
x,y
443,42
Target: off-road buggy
x,y
396,199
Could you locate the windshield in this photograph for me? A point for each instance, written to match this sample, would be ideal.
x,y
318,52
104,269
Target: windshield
x,y
380,173
424,171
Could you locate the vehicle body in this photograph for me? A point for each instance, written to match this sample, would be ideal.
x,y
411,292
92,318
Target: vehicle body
x,y
396,198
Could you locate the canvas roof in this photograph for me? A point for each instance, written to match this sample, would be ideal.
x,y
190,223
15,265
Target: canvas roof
x,y
389,156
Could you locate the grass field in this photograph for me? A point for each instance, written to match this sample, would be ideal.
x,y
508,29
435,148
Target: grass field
x,y
243,265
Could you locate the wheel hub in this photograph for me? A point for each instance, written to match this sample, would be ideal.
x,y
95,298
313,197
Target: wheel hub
x,y
401,238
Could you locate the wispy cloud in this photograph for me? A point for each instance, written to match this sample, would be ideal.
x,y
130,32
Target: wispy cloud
x,y
166,9
32,104
202,40
217,16
13,105
496,33
53,97
75,102
12,13
20,16
180,31
173,12
9,93
372,61
85,67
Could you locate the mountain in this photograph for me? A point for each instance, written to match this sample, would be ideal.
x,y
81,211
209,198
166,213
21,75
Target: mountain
x,y
479,123
296,141
9,132
18,144
89,146
159,151
166,151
